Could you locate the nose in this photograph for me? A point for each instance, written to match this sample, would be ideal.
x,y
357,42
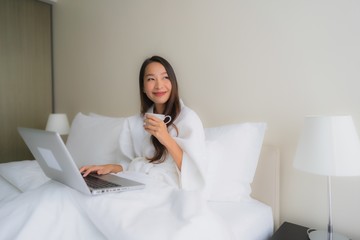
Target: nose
x,y
158,83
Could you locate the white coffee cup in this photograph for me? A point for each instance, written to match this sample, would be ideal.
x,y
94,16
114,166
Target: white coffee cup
x,y
165,118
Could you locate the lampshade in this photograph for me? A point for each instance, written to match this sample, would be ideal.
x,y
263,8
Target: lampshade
x,y
58,122
329,145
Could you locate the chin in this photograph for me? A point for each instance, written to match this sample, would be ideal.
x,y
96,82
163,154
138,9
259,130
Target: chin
x,y
161,100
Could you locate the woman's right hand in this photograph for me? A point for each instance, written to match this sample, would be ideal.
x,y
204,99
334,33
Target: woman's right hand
x,y
100,169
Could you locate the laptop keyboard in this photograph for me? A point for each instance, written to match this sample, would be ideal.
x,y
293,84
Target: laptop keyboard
x,y
96,183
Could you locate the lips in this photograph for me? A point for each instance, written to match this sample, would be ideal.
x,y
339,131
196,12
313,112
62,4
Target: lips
x,y
159,94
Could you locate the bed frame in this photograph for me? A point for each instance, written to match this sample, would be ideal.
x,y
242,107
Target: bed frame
x,y
266,184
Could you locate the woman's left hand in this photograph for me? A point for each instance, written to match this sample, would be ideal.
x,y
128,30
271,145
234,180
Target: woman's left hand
x,y
156,127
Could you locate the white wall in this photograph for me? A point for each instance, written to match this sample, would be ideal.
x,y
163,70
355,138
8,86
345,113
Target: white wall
x,y
236,61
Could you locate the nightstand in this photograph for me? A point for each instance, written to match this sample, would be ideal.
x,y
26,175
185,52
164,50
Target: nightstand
x,y
290,231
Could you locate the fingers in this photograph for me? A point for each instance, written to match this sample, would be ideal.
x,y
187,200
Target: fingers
x,y
155,129
100,169
151,121
154,124
86,170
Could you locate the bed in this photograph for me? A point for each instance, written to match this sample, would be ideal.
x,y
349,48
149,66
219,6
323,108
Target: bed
x,y
241,199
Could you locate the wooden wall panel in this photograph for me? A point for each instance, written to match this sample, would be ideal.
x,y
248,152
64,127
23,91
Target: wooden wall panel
x,y
25,72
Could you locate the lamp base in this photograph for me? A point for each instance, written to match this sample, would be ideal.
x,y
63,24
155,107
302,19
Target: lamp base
x,y
323,235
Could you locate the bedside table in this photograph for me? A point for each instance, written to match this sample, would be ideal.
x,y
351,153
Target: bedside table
x,y
290,231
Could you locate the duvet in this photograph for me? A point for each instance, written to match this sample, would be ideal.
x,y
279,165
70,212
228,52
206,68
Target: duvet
x,y
55,211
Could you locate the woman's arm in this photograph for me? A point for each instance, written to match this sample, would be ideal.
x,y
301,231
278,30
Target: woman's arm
x,y
174,150
158,129
191,139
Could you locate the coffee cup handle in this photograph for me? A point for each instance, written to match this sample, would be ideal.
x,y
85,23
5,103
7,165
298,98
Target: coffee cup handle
x,y
167,119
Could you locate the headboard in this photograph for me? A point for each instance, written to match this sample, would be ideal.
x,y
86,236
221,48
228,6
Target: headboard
x,y
266,184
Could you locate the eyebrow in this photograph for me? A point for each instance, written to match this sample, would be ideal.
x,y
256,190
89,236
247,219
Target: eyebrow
x,y
151,74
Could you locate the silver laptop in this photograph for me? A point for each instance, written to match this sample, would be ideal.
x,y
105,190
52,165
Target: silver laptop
x,y
55,160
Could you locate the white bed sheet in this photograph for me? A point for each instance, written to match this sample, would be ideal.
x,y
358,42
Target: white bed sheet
x,y
248,219
7,190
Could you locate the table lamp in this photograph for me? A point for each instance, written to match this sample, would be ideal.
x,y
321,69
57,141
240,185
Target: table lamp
x,y
58,122
329,146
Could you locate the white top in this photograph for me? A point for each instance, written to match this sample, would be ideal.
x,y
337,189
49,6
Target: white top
x,y
136,145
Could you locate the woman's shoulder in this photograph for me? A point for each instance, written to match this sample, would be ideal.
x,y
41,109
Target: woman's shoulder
x,y
188,114
187,111
134,120
189,123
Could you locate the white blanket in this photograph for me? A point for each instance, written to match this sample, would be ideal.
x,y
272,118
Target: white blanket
x,y
54,211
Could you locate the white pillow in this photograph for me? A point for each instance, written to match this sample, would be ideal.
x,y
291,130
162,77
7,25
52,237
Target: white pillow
x,y
94,139
233,152
24,175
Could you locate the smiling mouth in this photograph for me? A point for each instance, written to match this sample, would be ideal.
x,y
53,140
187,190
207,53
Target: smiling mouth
x,y
159,94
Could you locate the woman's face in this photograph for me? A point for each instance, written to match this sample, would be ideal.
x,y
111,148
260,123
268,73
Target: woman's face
x,y
157,85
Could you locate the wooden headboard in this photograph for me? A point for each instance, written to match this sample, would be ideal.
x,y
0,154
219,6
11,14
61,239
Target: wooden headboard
x,y
266,184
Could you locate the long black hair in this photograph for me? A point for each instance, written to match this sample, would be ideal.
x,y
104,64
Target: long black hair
x,y
172,106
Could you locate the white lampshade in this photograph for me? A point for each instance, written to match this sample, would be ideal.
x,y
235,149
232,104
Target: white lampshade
x,y
329,145
58,122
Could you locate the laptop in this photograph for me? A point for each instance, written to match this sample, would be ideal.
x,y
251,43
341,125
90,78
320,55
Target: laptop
x,y
57,163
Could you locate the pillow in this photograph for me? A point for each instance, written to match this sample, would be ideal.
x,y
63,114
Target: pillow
x,y
24,175
94,139
233,152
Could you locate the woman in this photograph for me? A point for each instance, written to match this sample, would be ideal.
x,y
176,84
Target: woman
x,y
172,152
